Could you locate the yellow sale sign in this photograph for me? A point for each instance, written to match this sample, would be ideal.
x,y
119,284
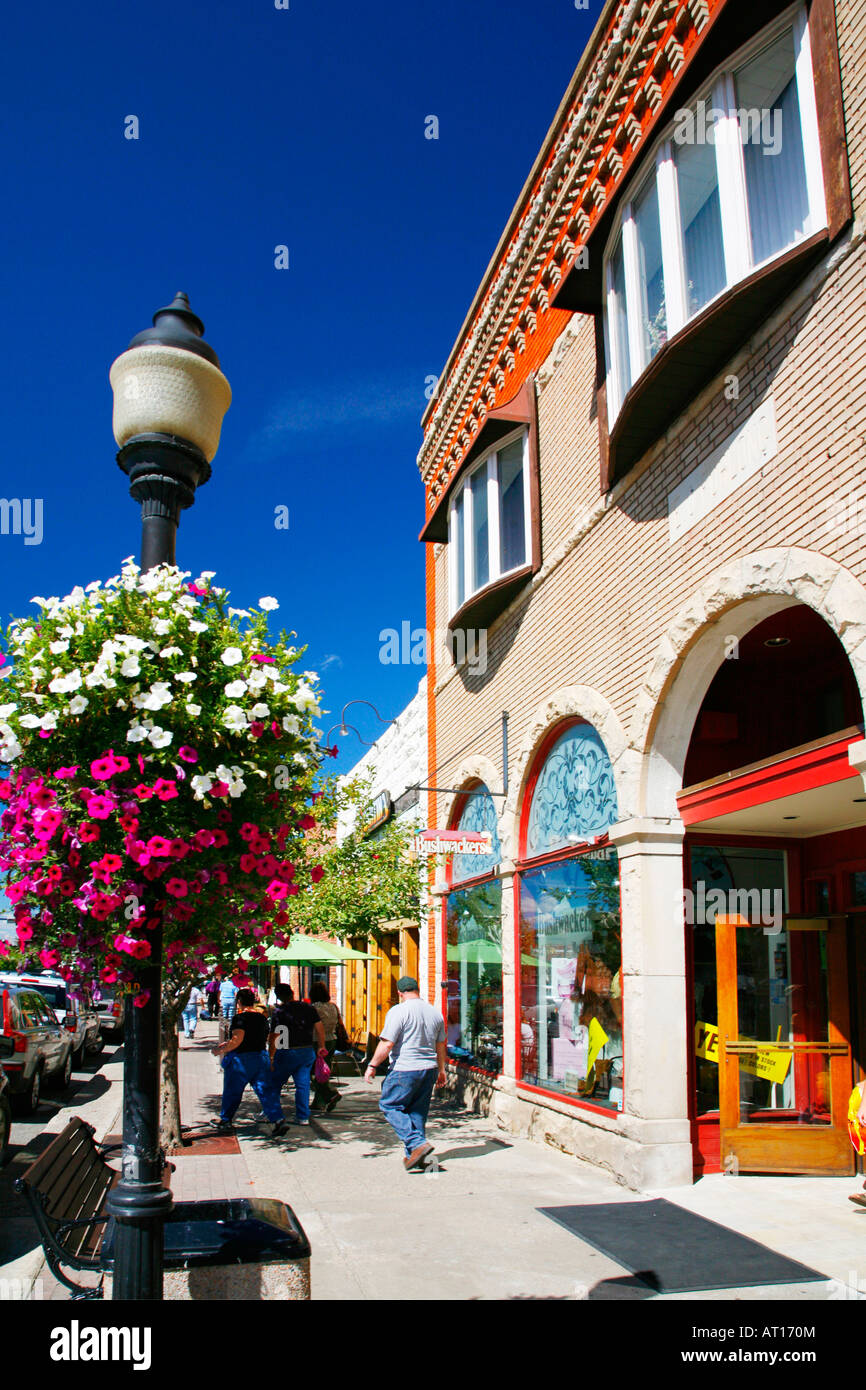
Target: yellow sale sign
x,y
770,1063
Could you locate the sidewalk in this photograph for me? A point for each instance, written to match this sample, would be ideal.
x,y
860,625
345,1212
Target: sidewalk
x,y
474,1230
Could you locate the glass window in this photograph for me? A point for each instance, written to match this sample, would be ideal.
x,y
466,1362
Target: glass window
x,y
480,529
730,208
773,158
459,542
701,224
575,795
494,550
619,318
474,959
571,978
857,888
654,327
479,814
726,879
512,522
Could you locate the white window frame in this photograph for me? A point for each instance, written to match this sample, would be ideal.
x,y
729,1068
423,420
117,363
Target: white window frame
x,y
719,94
489,463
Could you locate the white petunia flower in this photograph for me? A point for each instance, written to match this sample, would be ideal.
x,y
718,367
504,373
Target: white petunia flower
x,y
193,709
305,699
171,651
260,711
6,710
49,720
131,667
236,689
66,631
257,681
268,604
239,613
185,676
234,718
137,733
231,656
30,721
161,627
57,647
201,784
78,704
196,626
160,738
291,724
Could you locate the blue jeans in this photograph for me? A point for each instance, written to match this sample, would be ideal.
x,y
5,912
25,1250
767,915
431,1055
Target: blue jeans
x,y
190,1019
295,1062
242,1069
405,1101
228,1007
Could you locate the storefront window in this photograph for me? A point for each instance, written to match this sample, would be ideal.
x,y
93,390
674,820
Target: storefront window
x,y
474,956
571,978
479,814
574,797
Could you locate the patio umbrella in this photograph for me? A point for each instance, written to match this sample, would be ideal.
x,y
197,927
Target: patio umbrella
x,y
303,950
477,952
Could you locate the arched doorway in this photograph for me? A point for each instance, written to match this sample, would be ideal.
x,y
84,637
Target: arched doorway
x,y
774,874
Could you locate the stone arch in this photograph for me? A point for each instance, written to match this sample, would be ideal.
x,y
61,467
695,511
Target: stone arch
x,y
727,605
472,769
570,701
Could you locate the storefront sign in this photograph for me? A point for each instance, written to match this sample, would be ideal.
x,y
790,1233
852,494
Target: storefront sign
x,y
479,842
770,1063
380,813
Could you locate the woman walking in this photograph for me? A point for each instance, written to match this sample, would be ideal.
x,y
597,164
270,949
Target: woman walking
x,y
326,1095
246,1063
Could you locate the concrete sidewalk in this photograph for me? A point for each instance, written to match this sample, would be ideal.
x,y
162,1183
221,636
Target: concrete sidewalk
x,y
473,1230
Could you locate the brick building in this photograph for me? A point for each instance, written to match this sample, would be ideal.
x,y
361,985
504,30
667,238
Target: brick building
x,y
643,480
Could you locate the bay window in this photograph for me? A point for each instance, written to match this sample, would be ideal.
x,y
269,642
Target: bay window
x,y
736,181
488,521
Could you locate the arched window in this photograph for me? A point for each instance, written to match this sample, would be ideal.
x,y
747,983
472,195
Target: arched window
x,y
574,796
478,814
568,943
473,944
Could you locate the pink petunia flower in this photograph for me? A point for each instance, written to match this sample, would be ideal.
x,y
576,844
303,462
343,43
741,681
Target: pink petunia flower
x,y
159,846
67,771
277,890
139,1000
178,887
144,793
188,754
164,789
178,848
100,807
88,832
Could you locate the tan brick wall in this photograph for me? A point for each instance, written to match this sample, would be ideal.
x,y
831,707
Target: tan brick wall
x,y
598,617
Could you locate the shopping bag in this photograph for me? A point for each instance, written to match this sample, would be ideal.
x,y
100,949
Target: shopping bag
x,y
322,1071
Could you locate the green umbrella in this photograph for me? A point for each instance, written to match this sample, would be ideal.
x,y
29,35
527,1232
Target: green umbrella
x,y
303,950
477,952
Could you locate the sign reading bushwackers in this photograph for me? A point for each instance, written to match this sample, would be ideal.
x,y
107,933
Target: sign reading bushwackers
x,y
429,842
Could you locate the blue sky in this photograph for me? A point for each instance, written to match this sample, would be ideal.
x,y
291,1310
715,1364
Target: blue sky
x,y
260,127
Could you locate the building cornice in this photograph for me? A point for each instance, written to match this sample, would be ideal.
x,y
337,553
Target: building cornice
x,y
637,51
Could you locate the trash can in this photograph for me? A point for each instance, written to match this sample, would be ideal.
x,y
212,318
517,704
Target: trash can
x,y
251,1249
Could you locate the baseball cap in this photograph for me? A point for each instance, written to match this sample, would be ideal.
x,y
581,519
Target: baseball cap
x,y
406,984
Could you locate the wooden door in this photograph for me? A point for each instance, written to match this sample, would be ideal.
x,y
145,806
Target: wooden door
x,y
784,1046
410,937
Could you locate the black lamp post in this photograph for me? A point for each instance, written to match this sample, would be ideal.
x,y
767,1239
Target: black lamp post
x,y
169,401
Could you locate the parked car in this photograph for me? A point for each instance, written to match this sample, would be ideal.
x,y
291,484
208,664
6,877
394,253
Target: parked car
x,y
111,1011
73,1008
5,1114
41,1047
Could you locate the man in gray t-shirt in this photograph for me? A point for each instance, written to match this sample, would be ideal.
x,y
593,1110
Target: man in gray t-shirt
x,y
413,1034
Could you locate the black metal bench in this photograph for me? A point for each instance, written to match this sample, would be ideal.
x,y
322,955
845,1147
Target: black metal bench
x,y
66,1188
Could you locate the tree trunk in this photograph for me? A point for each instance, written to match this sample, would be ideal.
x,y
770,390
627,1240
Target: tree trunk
x,y
169,1093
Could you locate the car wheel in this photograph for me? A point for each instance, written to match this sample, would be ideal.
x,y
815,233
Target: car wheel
x,y
77,1057
63,1075
97,1045
28,1101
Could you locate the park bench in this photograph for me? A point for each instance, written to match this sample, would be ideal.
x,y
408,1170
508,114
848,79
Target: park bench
x,y
244,1248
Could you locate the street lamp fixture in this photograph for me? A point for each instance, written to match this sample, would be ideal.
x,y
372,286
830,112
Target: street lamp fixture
x,y
170,397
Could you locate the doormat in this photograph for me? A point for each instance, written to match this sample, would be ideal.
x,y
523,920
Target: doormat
x,y
674,1251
